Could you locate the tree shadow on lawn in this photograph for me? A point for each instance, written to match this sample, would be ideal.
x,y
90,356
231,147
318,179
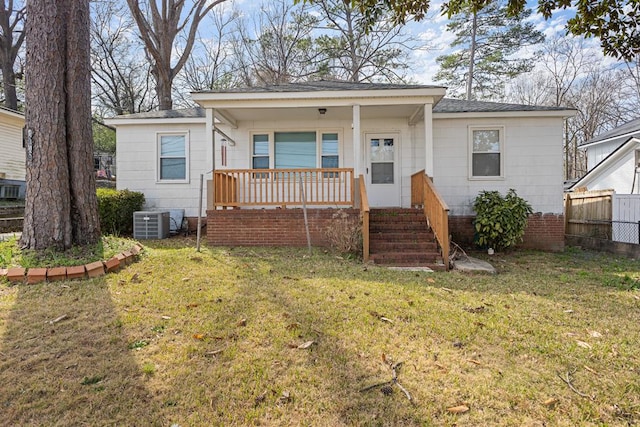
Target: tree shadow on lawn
x,y
259,375
74,371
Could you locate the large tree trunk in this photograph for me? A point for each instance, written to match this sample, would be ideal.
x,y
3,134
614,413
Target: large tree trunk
x,y
84,203
472,55
60,205
9,86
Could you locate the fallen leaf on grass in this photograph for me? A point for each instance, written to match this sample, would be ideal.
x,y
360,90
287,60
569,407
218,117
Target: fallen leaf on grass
x,y
135,278
261,398
460,409
595,334
593,371
192,305
568,311
306,345
57,319
242,322
165,318
384,319
475,362
198,336
430,280
285,397
447,290
583,344
213,353
550,402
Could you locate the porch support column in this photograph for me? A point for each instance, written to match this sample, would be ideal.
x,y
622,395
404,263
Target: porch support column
x,y
428,139
357,143
210,135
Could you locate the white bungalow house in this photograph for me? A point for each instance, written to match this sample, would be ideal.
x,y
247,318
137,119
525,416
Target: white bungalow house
x,y
12,159
613,160
267,151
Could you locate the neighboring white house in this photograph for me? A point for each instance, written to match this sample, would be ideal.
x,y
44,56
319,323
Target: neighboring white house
x,y
613,160
12,157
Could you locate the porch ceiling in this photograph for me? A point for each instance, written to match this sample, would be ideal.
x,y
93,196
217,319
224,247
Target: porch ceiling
x,y
312,113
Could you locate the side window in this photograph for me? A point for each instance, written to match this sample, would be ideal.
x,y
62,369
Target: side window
x,y
486,148
172,157
260,152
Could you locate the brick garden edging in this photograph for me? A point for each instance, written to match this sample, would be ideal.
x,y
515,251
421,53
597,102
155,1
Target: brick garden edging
x,y
18,275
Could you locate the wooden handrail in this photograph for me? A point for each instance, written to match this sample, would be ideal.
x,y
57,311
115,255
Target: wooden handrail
x,y
364,213
281,187
436,211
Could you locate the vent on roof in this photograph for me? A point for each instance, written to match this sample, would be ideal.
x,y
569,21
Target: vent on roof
x,y
150,225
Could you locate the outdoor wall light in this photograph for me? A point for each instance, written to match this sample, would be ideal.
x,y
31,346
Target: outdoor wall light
x,y
322,110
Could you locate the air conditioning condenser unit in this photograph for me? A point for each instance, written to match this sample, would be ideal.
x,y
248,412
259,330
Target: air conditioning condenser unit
x,y
150,225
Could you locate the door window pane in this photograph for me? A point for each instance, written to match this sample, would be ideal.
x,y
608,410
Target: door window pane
x,y
382,173
382,150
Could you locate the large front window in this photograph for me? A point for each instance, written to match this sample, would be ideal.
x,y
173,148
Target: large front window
x,y
295,150
173,157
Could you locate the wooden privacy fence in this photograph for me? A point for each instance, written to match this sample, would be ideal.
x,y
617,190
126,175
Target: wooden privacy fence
x,y
589,213
281,187
436,211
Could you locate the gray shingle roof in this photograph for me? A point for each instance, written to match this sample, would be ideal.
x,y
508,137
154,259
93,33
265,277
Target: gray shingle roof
x,y
323,85
449,105
631,128
167,114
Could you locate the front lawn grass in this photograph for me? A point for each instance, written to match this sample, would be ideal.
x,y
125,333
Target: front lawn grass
x,y
264,336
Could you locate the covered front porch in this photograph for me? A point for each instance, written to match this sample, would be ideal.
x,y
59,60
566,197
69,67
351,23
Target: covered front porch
x,y
285,207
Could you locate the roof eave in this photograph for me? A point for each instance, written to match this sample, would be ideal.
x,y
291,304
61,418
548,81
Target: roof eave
x,y
491,114
123,120
334,97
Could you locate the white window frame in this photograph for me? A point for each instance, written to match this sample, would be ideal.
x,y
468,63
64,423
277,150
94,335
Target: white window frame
x,y
187,151
318,132
501,135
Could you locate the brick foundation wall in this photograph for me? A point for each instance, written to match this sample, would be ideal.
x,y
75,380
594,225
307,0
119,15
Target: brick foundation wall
x,y
285,227
544,231
269,227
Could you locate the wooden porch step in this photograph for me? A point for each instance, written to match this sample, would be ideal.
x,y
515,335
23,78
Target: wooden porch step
x,y
402,246
397,236
402,238
399,227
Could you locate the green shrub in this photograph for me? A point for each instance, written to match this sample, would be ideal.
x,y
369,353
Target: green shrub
x,y
116,208
500,221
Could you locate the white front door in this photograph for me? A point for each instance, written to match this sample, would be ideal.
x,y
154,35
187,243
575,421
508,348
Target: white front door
x,y
383,177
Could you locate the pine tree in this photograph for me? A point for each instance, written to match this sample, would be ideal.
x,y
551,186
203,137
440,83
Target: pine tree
x,y
488,54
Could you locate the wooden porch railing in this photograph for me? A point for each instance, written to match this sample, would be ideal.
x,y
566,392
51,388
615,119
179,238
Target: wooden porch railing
x,y
281,187
364,213
436,211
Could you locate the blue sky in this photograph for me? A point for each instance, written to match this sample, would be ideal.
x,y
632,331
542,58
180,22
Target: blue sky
x,y
432,31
